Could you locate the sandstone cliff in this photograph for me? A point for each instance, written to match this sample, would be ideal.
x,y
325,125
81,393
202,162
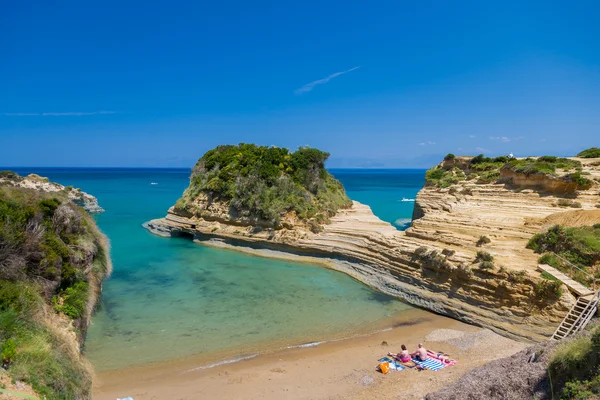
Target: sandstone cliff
x,y
432,264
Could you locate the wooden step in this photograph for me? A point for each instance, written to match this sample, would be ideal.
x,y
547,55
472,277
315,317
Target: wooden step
x,y
574,286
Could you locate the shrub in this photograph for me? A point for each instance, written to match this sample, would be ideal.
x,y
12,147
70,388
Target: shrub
x,y
442,178
516,276
592,152
488,177
579,245
484,256
548,290
573,367
72,301
449,157
581,181
486,265
448,252
8,351
568,203
483,240
467,191
545,165
421,250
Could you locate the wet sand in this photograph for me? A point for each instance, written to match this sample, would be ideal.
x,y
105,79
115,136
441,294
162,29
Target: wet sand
x,y
343,369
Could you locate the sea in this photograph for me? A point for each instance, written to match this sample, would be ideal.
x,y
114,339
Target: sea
x,y
170,298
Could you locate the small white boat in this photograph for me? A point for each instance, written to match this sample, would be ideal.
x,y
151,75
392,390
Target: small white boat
x,y
153,183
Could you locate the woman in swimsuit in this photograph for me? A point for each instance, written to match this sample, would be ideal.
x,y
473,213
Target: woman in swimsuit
x,y
403,356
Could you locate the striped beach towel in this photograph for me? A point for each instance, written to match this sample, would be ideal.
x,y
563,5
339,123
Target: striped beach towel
x,y
395,365
430,363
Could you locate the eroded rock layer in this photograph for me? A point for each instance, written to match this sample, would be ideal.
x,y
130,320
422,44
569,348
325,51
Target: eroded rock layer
x,y
433,263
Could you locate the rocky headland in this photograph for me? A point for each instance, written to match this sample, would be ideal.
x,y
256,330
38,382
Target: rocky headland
x,y
35,182
53,259
465,254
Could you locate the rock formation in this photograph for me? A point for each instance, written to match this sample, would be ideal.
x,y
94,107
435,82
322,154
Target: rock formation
x,y
88,202
435,263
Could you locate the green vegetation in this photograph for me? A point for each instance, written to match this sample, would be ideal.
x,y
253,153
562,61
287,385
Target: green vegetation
x,y
485,170
449,157
568,203
264,183
440,177
50,252
483,256
592,152
548,290
487,265
577,245
546,165
575,368
482,241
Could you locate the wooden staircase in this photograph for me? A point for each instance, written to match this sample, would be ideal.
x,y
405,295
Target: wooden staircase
x,y
583,310
579,316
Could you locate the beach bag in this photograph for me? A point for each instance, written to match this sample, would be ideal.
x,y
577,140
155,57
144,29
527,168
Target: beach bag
x,y
384,367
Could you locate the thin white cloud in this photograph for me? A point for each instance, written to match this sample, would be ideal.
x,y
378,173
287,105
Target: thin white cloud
x,y
481,149
500,138
472,136
427,143
60,114
310,86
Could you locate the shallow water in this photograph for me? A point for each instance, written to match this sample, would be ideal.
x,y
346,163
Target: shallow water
x,y
171,298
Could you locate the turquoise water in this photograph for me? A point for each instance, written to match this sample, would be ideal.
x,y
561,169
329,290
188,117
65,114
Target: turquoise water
x,y
171,298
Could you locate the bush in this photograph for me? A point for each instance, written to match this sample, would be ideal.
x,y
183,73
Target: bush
x,y
488,177
484,256
483,240
72,301
568,203
548,290
574,367
592,152
448,252
579,245
8,351
421,250
449,157
486,265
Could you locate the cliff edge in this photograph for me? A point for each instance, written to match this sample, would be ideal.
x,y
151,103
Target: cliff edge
x,y
442,262
53,259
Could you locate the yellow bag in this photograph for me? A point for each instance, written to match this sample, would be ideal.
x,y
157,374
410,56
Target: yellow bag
x,y
384,367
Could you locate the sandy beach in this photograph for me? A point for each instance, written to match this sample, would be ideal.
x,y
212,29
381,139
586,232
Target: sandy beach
x,y
344,369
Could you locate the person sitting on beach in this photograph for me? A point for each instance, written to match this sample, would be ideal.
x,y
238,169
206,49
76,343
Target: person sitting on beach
x,y
421,353
403,356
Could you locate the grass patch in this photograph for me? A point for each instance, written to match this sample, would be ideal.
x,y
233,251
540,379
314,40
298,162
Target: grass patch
x,y
574,368
577,245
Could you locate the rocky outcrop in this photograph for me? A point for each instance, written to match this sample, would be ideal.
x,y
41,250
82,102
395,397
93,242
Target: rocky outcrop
x,y
35,182
433,263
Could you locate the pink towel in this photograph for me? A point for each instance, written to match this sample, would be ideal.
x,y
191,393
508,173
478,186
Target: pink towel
x,y
444,363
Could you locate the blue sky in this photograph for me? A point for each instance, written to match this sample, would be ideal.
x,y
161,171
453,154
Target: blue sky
x,y
377,84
